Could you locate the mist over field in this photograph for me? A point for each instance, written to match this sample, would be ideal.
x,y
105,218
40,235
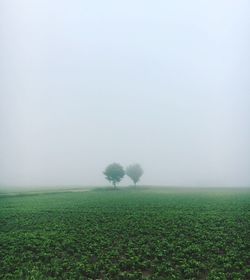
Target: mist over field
x,y
124,139
87,83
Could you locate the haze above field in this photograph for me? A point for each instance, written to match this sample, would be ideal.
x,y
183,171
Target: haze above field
x,y
87,83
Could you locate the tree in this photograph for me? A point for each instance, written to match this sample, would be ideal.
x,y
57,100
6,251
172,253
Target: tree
x,y
135,172
114,173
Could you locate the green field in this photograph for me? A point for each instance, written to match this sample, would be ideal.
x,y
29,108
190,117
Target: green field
x,y
126,234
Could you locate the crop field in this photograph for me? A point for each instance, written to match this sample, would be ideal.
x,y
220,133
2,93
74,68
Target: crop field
x,y
126,234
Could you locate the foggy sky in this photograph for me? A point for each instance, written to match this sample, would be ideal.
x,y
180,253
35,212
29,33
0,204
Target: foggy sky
x,y
162,83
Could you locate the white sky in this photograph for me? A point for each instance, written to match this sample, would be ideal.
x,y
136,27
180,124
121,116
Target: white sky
x,y
162,83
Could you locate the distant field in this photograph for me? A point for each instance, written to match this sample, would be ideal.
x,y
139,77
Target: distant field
x,y
127,234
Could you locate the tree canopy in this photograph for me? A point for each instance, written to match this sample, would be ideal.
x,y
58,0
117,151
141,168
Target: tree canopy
x,y
135,172
114,173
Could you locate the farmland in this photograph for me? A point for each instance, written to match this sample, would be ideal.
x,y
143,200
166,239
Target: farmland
x,y
126,234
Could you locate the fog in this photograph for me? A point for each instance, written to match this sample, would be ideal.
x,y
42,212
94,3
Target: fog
x,y
161,83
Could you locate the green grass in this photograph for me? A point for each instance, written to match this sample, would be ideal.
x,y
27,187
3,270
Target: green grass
x,y
127,234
